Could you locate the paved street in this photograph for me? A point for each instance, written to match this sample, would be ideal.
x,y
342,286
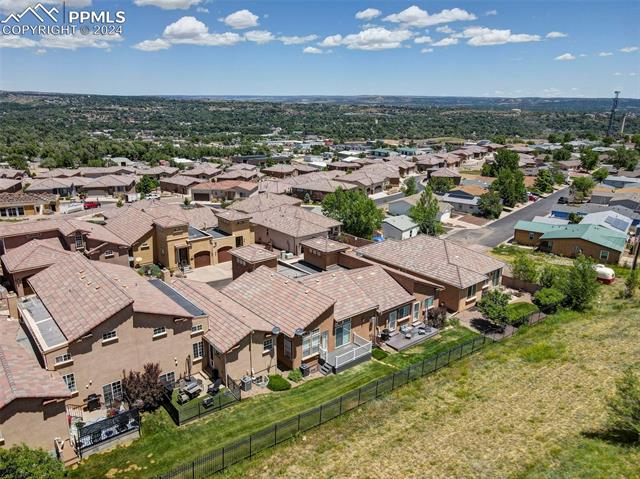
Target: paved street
x,y
502,229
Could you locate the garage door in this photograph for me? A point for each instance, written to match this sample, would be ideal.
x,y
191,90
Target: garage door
x,y
200,197
203,258
224,254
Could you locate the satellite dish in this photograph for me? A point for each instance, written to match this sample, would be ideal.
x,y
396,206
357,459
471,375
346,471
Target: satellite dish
x,y
299,332
275,331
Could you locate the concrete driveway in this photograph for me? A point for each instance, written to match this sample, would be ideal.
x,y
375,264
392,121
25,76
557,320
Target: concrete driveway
x,y
501,230
216,275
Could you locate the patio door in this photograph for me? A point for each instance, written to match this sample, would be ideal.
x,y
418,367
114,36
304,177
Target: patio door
x,y
324,341
343,333
416,312
183,257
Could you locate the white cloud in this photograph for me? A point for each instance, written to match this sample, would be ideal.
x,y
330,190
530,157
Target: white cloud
x,y
582,55
331,41
368,14
425,39
378,38
73,42
426,50
202,10
16,41
152,45
445,29
551,92
416,17
259,36
167,4
186,27
629,49
314,51
605,54
490,13
482,36
552,35
241,19
297,40
445,42
617,74
632,74
565,57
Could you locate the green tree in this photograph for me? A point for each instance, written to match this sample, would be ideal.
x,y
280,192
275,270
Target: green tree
x,y
410,186
548,299
558,177
493,306
503,159
581,286
544,181
21,462
561,154
581,187
632,283
144,388
510,187
525,268
147,184
600,174
358,213
440,185
490,205
588,159
425,213
624,408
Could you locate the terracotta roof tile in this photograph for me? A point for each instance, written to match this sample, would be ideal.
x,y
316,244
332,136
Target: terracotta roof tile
x,y
263,202
253,253
34,254
380,287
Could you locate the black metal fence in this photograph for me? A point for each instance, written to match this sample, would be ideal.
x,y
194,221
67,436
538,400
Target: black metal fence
x,y
94,434
195,408
222,458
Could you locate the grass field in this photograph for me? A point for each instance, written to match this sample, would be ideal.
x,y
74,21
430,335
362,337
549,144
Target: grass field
x,y
164,446
525,408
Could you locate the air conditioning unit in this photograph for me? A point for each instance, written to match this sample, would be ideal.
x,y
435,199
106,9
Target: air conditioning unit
x,y
288,255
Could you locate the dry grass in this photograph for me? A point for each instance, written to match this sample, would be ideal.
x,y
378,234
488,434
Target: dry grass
x,y
518,410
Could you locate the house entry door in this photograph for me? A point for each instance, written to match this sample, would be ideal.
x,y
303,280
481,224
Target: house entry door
x,y
343,333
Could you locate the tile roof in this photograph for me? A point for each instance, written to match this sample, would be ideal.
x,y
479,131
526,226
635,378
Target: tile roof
x,y
19,198
34,254
253,253
381,287
231,215
325,185
325,245
363,178
158,170
47,184
169,222
78,295
281,301
180,180
238,174
65,227
206,169
110,181
294,221
131,224
263,202
21,377
242,166
430,257
308,177
59,173
445,173
96,232
6,183
229,321
350,299
273,185
225,185
280,168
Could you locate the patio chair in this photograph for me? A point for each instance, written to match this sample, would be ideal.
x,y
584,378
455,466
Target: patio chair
x,y
183,398
207,402
214,387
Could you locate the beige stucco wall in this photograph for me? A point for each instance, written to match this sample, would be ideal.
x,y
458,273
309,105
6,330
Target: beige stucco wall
x,y
34,422
147,254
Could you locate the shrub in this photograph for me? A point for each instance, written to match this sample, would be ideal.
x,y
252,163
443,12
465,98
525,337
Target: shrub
x,y
632,283
144,387
437,317
493,306
624,408
525,268
548,299
379,354
581,285
295,376
278,383
518,313
21,462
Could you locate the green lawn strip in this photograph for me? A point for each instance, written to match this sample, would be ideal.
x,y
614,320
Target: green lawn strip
x,y
164,446
445,340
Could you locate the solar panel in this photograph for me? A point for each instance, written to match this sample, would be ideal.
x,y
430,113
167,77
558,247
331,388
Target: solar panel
x,y
617,223
177,297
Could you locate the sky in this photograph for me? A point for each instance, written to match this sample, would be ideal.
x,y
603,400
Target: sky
x,y
333,47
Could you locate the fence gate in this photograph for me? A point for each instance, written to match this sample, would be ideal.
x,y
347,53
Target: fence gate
x,y
234,388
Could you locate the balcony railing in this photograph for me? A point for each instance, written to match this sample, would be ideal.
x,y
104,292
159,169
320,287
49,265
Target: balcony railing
x,y
363,348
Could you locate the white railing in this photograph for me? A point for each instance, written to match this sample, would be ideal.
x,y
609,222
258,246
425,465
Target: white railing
x,y
364,347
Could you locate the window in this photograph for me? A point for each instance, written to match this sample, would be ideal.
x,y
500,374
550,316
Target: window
x,y
240,262
144,246
311,343
495,278
405,311
267,346
393,318
239,241
70,381
604,254
110,336
471,291
287,348
161,331
197,328
112,392
79,241
428,302
64,358
416,311
198,350
578,250
343,333
531,235
108,254
12,212
168,378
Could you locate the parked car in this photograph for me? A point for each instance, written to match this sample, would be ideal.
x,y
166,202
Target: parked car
x,y
533,197
88,205
563,200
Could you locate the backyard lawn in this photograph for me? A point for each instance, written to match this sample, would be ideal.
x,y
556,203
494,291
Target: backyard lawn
x,y
531,407
164,446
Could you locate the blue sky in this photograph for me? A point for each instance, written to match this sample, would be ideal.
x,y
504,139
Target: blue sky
x,y
218,47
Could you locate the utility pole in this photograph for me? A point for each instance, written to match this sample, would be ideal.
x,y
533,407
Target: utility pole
x,y
624,121
613,113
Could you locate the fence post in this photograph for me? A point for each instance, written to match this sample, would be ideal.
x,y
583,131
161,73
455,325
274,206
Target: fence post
x,y
250,445
341,397
422,369
193,469
408,373
298,423
359,394
223,458
377,387
393,381
321,406
435,367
